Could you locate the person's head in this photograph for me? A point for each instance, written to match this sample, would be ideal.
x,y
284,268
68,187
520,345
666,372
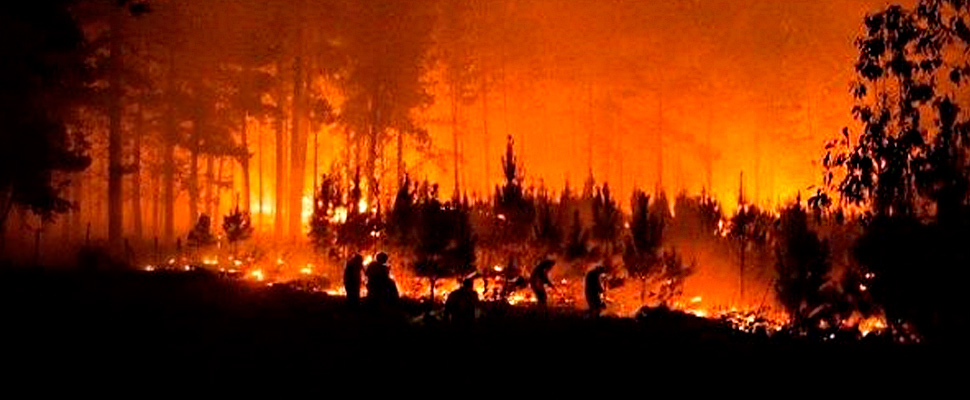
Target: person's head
x,y
382,257
357,259
468,283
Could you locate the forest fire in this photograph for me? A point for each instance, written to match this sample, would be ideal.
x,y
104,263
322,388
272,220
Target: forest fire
x,y
465,182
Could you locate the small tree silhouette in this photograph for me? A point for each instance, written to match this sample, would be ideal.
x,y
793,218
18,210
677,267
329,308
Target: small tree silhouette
x,y
672,278
577,240
403,216
326,202
802,265
445,245
606,218
548,233
515,211
640,256
747,228
201,234
362,225
238,226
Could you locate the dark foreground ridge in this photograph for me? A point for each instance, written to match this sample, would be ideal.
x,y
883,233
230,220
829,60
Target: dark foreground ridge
x,y
197,323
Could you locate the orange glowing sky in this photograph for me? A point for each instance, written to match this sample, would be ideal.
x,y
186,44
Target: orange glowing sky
x,y
765,81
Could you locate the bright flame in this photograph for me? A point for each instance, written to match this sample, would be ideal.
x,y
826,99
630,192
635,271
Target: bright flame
x,y
257,275
306,210
339,215
362,206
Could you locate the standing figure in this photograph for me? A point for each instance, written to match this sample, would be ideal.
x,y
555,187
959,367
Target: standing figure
x,y
539,279
352,279
381,289
594,290
461,304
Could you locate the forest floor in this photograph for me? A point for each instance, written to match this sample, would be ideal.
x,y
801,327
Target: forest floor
x,y
199,324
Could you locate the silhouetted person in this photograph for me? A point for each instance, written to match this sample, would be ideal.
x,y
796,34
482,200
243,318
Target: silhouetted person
x,y
352,272
381,289
461,304
594,290
539,279
201,233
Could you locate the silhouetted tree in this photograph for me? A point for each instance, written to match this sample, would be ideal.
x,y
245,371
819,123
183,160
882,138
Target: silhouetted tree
x,y
577,240
237,225
606,218
403,216
548,233
802,265
446,244
362,223
327,204
908,165
387,46
641,256
747,228
672,277
515,210
43,79
698,217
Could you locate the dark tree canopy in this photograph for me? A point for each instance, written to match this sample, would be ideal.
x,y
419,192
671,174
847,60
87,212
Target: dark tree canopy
x,y
43,76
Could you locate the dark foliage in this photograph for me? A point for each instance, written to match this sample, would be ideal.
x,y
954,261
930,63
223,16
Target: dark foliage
x,y
237,225
403,216
43,77
512,206
606,217
908,166
323,229
802,265
641,255
445,245
201,234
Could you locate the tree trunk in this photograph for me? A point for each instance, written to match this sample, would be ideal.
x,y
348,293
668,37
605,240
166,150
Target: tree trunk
x,y
168,156
115,205
210,186
660,144
278,222
485,137
156,204
298,143
454,140
219,188
244,165
136,175
259,171
194,176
